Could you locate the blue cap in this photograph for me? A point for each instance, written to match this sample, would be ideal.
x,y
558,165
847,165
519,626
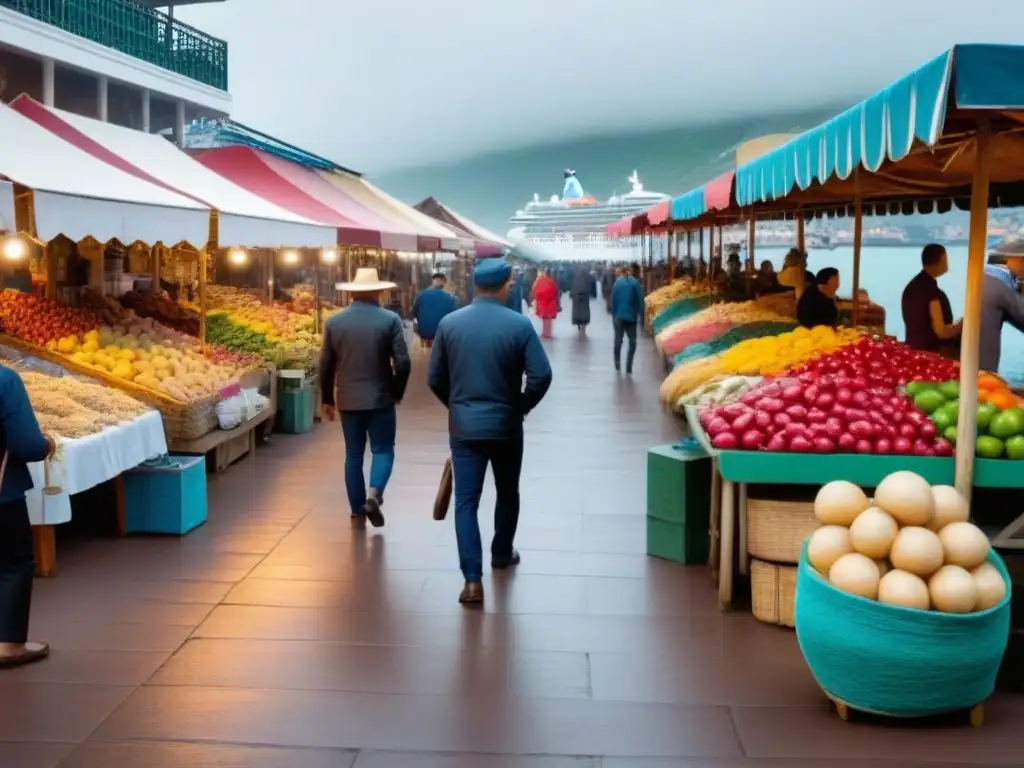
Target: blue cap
x,y
491,273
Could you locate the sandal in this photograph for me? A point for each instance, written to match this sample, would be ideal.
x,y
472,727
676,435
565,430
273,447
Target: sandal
x,y
33,652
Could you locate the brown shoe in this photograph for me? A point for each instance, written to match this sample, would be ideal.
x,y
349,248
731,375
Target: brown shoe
x,y
472,593
31,653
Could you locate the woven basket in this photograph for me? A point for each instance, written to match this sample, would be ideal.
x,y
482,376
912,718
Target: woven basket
x,y
896,661
776,529
773,593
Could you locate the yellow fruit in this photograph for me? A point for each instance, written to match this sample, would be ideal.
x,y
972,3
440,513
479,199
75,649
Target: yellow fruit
x,y
160,362
123,370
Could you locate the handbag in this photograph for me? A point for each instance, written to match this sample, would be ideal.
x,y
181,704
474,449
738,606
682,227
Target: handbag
x,y
444,492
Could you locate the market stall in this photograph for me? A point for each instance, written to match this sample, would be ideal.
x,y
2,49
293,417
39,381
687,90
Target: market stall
x,y
850,406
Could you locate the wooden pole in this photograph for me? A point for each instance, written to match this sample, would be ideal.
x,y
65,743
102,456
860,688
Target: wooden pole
x,y
202,300
672,239
800,239
858,228
271,254
50,257
751,235
155,253
318,312
970,340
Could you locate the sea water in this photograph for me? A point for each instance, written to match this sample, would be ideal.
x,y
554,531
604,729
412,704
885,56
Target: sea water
x,y
885,272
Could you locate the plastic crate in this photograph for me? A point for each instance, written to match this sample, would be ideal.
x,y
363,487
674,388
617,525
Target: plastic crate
x,y
169,498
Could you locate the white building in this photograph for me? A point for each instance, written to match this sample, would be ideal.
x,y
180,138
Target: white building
x,y
120,61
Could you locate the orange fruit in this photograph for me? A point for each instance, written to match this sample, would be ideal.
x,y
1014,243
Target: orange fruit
x,y
989,381
1002,399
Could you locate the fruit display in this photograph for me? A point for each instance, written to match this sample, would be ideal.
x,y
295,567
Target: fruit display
x,y
764,356
661,298
911,546
303,300
40,320
70,408
828,413
241,322
161,308
672,345
999,414
150,356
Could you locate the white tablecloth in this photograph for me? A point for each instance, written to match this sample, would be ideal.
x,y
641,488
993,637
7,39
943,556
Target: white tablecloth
x,y
92,460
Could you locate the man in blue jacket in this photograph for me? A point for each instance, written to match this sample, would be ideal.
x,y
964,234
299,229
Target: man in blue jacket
x,y
480,357
516,292
627,307
430,306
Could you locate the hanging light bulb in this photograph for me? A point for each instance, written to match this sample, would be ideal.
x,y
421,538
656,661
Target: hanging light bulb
x,y
238,256
329,255
14,249
291,257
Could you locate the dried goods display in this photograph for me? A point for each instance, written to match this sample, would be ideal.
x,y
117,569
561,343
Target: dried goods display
x,y
70,408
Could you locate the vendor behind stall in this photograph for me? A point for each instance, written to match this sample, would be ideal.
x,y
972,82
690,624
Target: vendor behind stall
x,y
16,278
795,274
1001,301
927,314
731,283
817,305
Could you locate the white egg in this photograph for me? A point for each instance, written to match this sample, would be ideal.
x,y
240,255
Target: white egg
x,y
965,544
918,551
873,533
856,574
826,545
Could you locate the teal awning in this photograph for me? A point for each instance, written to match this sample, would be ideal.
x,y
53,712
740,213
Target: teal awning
x,y
886,127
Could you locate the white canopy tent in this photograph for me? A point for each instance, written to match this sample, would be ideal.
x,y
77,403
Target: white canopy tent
x,y
76,195
244,219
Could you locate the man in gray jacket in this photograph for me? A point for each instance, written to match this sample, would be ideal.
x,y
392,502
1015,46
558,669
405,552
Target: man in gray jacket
x,y
1001,301
364,369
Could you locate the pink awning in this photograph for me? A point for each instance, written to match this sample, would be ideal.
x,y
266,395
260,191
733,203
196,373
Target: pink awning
x,y
659,214
303,192
718,193
620,228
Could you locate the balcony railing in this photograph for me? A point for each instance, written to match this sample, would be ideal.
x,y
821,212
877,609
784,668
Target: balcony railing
x,y
143,33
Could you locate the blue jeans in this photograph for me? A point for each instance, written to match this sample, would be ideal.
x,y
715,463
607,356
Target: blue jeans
x,y
380,426
629,330
469,464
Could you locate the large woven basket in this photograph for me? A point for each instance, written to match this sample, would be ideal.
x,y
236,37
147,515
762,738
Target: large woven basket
x,y
901,662
773,592
776,529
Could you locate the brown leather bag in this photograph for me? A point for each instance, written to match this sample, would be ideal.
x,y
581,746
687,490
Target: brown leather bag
x,y
444,492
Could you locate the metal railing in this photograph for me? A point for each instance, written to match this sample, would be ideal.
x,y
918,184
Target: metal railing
x,y
143,33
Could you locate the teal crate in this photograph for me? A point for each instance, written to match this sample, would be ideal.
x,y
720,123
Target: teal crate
x,y
166,498
679,485
676,542
296,403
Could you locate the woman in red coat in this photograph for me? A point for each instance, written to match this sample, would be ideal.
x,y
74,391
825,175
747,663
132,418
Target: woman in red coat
x,y
545,301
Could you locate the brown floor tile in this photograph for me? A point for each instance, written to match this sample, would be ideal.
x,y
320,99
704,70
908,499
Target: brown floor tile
x,y
447,760
394,593
631,677
410,723
128,668
48,712
753,762
507,592
372,669
65,591
470,629
32,755
203,756
817,733
107,635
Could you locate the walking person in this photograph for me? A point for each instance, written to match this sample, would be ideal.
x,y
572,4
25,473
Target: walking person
x,y
580,293
21,442
627,312
480,357
546,301
364,369
430,306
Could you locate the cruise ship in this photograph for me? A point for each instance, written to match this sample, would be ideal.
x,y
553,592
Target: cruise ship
x,y
573,226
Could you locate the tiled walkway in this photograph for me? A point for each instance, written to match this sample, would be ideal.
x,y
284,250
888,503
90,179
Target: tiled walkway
x,y
276,637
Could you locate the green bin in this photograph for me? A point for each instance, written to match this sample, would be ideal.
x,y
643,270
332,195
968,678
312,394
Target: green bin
x,y
296,400
678,503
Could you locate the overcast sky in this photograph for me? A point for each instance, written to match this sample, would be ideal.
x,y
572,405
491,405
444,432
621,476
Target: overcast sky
x,y
385,84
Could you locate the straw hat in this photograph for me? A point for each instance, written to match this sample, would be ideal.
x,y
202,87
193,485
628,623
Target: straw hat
x,y
366,280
